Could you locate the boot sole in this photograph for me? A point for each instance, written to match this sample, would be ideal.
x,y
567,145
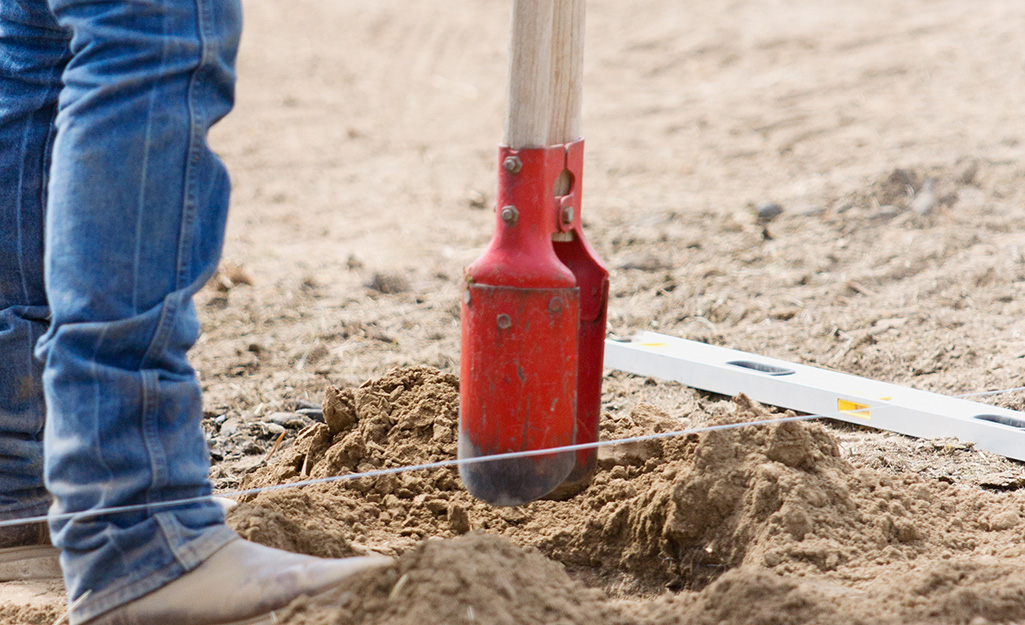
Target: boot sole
x,y
32,562
271,618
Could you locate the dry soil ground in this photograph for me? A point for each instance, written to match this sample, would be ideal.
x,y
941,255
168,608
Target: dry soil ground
x,y
891,133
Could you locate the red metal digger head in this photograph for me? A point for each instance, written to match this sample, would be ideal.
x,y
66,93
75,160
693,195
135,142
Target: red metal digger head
x,y
522,333
519,361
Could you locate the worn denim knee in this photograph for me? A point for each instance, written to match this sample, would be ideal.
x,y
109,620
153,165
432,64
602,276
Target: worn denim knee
x,y
134,225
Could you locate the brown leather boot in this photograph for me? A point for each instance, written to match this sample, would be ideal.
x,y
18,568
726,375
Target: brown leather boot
x,y
242,583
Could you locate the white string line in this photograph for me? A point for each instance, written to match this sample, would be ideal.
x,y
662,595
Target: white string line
x,y
81,516
441,464
982,393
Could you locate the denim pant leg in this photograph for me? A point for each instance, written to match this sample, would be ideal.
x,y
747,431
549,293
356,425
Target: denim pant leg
x,y
135,224
33,52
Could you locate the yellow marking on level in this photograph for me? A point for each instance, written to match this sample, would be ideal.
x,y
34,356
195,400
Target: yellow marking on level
x,y
853,408
652,344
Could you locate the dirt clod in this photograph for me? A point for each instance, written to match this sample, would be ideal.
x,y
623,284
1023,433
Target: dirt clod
x,y
474,579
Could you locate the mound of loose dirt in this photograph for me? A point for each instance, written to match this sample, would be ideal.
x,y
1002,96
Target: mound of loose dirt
x,y
473,579
296,522
778,496
756,524
409,416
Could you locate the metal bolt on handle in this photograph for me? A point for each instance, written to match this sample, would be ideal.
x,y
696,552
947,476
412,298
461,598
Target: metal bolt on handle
x,y
512,164
510,215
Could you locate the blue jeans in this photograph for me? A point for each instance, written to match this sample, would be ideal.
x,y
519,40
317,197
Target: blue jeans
x,y
108,188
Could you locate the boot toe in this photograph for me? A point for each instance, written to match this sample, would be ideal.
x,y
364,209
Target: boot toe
x,y
243,583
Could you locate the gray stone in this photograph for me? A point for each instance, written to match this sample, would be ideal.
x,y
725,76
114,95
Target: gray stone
x,y
280,418
317,414
768,211
272,430
229,427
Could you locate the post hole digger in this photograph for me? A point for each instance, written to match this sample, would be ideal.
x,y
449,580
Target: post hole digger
x,y
534,306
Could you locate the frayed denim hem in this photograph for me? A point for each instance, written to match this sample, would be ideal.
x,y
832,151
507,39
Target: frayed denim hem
x,y
186,558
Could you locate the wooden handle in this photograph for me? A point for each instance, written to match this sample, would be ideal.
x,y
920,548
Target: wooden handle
x,y
530,63
567,71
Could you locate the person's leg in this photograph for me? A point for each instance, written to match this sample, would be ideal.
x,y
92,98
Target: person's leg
x,y
135,223
33,52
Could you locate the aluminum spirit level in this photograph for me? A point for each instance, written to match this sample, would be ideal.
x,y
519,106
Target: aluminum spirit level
x,y
813,390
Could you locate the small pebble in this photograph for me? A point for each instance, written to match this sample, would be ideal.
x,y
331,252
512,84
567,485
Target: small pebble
x,y
317,414
301,404
388,283
280,418
273,429
458,518
886,211
925,199
229,427
767,212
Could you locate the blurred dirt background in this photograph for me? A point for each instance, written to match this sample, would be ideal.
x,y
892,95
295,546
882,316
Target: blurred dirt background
x,y
835,183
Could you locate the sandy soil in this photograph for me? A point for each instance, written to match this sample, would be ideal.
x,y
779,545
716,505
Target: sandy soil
x,y
363,150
